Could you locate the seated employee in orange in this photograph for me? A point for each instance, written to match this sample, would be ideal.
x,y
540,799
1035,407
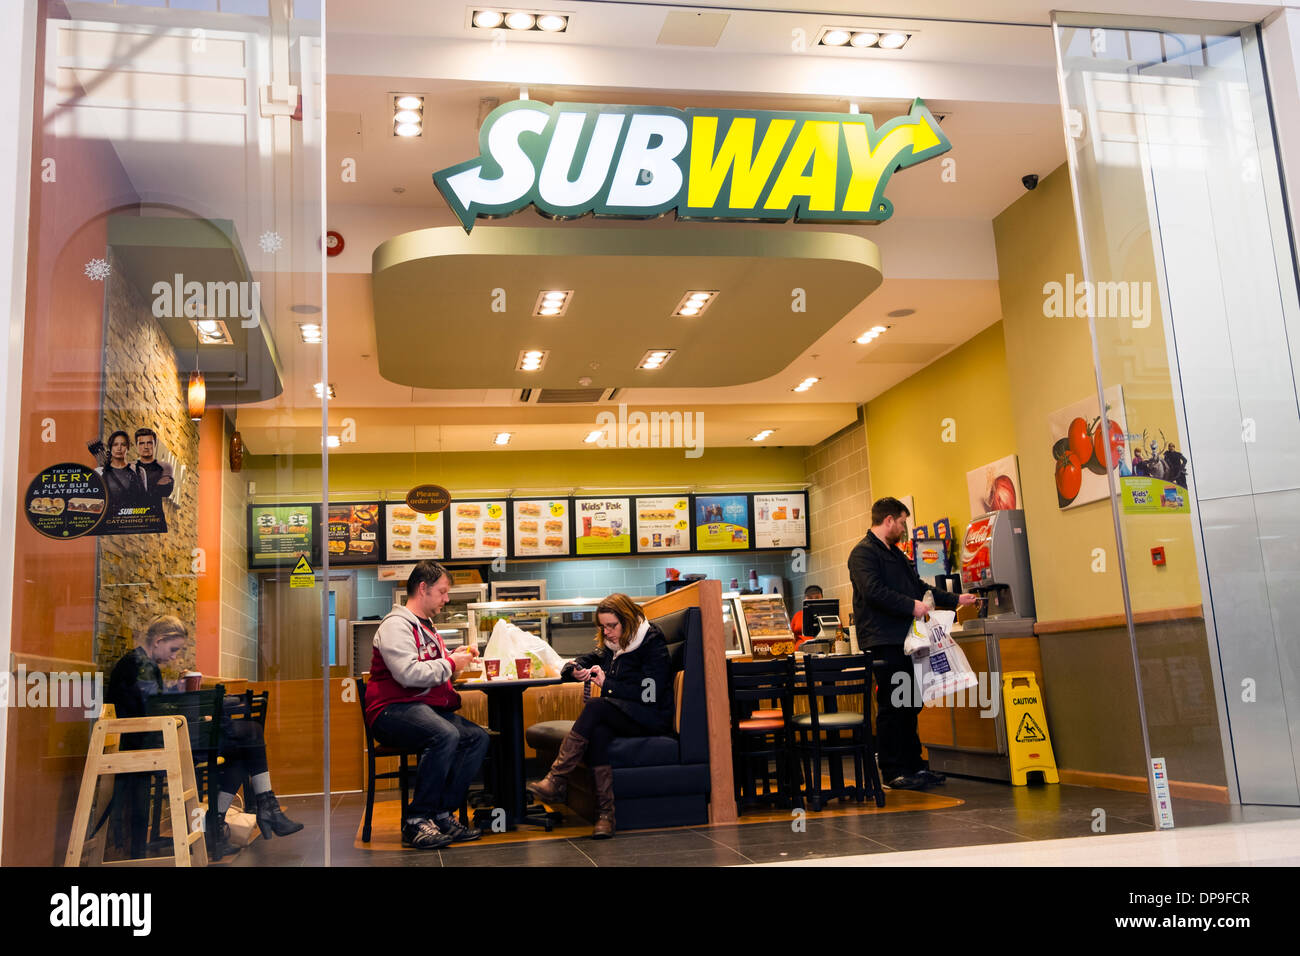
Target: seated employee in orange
x,y
811,593
631,667
411,705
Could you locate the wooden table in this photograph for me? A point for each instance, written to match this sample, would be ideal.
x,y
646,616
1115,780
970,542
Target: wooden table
x,y
506,716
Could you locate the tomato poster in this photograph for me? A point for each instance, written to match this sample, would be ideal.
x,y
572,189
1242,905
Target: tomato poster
x,y
994,487
1080,434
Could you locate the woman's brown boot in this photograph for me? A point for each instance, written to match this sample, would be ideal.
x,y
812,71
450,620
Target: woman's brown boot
x,y
553,789
604,828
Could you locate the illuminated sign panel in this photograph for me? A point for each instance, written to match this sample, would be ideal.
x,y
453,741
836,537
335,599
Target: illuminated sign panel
x,y
636,162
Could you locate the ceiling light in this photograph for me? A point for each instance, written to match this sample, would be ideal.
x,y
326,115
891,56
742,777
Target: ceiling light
x,y
319,386
879,328
310,333
762,435
407,129
332,441
894,41
655,359
211,332
503,438
406,116
594,436
806,384
864,39
553,302
196,396
520,21
835,38
552,22
871,333
531,360
901,313
408,101
695,302
305,308
487,19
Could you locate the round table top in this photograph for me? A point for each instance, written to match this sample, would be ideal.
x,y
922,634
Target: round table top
x,y
504,683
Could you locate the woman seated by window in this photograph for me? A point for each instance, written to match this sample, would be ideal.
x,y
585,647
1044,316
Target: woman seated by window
x,y
630,665
137,677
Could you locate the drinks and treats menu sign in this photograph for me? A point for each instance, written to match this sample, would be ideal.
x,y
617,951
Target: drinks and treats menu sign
x,y
478,529
280,534
603,525
412,534
541,527
721,522
663,524
354,534
780,521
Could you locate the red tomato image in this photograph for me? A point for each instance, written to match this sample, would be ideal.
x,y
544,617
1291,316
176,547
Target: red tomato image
x,y
1069,476
1079,439
1116,443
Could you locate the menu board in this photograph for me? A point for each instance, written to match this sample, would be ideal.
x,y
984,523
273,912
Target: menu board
x,y
477,529
354,533
781,520
662,524
541,527
280,534
722,523
411,534
603,525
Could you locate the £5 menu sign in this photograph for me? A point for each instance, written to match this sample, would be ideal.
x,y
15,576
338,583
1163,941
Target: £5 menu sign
x,y
637,162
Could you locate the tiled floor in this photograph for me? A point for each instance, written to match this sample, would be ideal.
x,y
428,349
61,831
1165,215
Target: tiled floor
x,y
1044,822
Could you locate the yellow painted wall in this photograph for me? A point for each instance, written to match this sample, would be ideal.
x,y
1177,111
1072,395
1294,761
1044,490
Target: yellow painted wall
x,y
519,470
906,452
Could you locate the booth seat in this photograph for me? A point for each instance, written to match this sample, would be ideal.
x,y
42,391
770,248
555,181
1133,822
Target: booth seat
x,y
658,781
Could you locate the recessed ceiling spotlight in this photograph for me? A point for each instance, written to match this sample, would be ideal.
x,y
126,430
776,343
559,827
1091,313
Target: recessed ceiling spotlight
x,y
806,384
836,37
765,433
408,114
333,441
409,101
594,436
503,438
864,39
901,313
211,332
407,130
695,302
872,333
654,359
552,23
861,39
520,21
553,302
894,41
319,386
487,19
310,333
531,360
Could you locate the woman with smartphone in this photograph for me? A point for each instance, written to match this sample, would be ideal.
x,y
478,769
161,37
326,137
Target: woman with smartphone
x,y
631,667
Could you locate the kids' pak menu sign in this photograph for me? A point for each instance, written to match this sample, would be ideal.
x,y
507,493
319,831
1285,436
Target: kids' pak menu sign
x,y
280,534
603,526
747,165
721,522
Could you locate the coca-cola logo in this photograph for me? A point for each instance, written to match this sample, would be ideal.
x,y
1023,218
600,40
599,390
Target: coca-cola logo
x,y
976,536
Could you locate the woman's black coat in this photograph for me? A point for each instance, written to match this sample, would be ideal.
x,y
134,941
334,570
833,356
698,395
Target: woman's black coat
x,y
638,682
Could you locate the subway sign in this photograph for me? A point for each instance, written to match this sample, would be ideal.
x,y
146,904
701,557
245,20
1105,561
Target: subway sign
x,y
640,162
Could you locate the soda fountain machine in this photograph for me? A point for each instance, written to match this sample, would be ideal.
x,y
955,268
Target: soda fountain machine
x,y
995,566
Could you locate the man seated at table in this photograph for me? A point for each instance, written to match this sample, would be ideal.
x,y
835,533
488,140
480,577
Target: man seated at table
x,y
411,704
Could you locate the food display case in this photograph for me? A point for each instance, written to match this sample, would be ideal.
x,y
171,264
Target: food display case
x,y
764,625
735,642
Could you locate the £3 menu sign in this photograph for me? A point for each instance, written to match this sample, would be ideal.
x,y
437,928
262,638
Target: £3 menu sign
x,y
636,162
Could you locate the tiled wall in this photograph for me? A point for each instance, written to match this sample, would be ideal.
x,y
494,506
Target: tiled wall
x,y
839,511
238,587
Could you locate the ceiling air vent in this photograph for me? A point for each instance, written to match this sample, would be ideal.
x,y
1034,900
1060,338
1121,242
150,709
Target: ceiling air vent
x,y
566,396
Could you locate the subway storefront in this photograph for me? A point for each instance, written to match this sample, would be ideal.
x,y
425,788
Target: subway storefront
x,y
754,316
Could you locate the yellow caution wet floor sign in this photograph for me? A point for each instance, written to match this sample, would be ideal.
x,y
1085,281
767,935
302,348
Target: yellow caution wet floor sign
x,y
302,576
1027,739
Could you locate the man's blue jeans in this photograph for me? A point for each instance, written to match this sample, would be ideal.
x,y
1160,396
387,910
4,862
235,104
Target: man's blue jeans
x,y
451,750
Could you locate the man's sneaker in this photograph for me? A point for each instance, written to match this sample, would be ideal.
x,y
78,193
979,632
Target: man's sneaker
x,y
458,832
909,781
423,834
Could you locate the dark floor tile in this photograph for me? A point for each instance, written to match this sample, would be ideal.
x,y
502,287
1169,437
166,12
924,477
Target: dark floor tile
x,y
667,841
708,856
548,853
870,825
811,849
922,840
762,833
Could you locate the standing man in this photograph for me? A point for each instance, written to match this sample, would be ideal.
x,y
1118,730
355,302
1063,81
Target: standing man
x,y
886,599
411,704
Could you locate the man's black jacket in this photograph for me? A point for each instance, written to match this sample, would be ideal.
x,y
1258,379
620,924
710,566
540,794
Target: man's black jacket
x,y
885,585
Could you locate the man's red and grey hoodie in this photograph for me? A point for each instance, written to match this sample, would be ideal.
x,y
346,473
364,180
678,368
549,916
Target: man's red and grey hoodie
x,y
410,663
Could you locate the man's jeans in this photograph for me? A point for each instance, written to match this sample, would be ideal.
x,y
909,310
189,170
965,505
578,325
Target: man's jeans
x,y
451,750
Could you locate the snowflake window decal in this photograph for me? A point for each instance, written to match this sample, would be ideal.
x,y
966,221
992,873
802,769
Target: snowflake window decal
x,y
97,270
270,242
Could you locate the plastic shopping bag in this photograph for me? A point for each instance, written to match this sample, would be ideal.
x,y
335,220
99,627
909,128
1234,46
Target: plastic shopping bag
x,y
503,646
546,662
917,644
944,670
510,643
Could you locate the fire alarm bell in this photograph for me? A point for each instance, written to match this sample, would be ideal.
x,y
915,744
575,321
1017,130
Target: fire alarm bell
x,y
1158,557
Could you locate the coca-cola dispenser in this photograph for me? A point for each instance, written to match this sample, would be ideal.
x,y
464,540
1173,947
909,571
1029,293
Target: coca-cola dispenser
x,y
995,565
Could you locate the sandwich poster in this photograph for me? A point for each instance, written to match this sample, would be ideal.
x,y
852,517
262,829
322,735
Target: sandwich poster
x,y
721,523
413,535
65,501
280,534
541,527
477,529
354,534
663,524
603,525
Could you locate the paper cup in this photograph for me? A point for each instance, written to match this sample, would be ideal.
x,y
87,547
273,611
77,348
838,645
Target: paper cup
x,y
192,680
523,668
492,669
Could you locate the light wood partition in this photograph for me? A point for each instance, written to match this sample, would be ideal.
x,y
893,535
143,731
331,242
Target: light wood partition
x,y
707,596
295,740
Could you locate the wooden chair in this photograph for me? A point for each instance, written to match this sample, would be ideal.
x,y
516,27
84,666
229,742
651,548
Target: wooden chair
x,y
761,736
203,711
374,751
826,679
171,757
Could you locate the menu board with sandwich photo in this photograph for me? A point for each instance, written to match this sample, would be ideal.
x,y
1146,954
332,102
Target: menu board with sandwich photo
x,y
541,527
477,529
662,524
281,534
412,535
722,523
354,533
781,520
603,525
